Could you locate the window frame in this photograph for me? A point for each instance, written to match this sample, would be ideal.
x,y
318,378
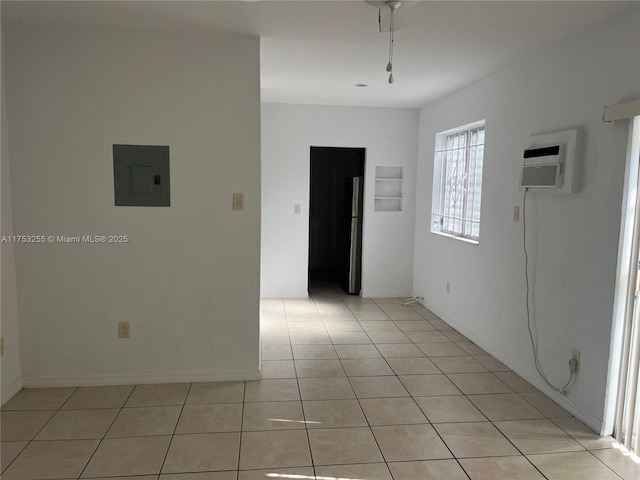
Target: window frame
x,y
441,158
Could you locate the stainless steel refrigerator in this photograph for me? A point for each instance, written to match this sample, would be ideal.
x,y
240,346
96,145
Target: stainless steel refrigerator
x,y
354,196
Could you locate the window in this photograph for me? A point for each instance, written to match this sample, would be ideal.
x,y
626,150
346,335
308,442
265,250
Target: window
x,y
457,182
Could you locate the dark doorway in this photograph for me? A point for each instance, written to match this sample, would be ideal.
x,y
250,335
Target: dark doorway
x,y
335,217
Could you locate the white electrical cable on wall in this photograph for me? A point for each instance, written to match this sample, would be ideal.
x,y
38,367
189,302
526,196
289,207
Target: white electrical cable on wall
x,y
572,362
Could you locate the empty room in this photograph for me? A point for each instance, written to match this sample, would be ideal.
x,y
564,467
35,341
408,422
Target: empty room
x,y
330,240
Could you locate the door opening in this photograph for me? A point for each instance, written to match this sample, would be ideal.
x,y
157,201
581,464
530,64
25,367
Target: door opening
x,y
335,217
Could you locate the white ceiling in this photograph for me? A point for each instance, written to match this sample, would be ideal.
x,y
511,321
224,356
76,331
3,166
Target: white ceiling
x,y
316,51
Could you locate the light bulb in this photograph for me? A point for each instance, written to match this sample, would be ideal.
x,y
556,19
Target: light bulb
x,y
389,67
391,78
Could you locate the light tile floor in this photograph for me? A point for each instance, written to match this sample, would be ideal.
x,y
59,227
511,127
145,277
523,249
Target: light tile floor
x,y
352,389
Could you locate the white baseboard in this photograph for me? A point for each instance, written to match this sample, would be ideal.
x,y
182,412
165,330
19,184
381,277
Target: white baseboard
x,y
15,387
533,378
104,380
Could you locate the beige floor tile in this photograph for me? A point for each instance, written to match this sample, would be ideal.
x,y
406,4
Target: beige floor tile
x,y
310,338
478,439
202,452
428,336
583,434
572,466
316,326
410,442
478,383
128,456
414,325
39,399
440,349
272,390
369,471
78,424
314,352
302,473
413,366
436,322
357,351
471,348
451,409
371,326
366,367
545,405
145,421
272,416
404,315
620,463
319,368
136,477
455,336
392,411
538,436
333,413
334,446
428,470
278,369
274,449
491,363
325,388
157,395
9,451
371,315
22,425
389,337
400,350
99,397
56,459
505,406
495,468
464,364
395,307
276,352
212,418
350,338
275,338
428,385
232,475
217,392
334,326
515,382
378,387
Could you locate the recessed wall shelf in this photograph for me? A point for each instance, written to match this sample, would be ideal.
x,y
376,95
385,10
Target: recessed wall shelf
x,y
388,190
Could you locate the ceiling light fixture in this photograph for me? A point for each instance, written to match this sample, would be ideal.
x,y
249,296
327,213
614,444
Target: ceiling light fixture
x,y
393,6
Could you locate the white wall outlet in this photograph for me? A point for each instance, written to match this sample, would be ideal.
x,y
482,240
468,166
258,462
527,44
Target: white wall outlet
x,y
238,201
516,214
123,330
448,287
296,209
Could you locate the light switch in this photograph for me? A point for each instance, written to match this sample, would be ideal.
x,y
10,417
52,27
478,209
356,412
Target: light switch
x,y
296,209
516,214
238,201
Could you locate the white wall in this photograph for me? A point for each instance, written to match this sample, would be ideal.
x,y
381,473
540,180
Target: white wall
x,y
188,280
288,132
10,370
572,239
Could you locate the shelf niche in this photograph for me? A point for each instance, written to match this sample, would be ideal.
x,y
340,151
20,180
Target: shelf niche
x,y
388,190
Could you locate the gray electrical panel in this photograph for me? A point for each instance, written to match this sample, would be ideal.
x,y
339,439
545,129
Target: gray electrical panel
x,y
141,175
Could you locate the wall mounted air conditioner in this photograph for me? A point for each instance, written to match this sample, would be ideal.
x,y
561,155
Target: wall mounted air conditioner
x,y
548,163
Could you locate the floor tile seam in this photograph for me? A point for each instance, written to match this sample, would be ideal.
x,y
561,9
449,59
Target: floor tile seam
x,y
370,428
105,433
175,428
244,396
581,451
304,418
